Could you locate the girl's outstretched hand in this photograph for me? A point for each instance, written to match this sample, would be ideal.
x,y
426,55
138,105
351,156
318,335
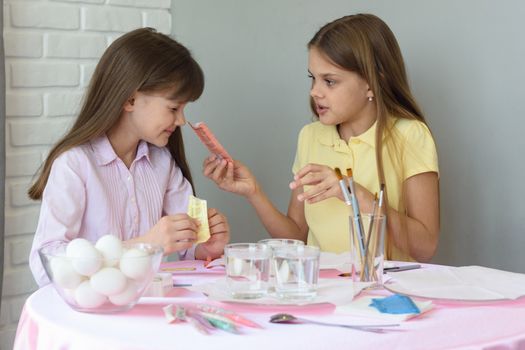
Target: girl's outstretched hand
x,y
232,177
173,232
325,184
322,181
219,236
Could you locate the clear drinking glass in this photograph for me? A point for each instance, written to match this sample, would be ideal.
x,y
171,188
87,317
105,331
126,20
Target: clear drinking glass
x,y
247,269
296,271
274,243
368,252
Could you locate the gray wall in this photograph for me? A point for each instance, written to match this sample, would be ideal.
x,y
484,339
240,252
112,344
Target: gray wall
x,y
465,63
2,149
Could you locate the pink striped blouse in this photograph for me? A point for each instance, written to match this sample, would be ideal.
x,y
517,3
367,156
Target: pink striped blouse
x,y
91,192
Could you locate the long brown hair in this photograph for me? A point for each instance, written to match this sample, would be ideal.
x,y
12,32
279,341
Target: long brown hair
x,y
364,44
141,60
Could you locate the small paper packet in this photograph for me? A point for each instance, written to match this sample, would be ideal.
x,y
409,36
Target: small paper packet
x,y
395,304
198,209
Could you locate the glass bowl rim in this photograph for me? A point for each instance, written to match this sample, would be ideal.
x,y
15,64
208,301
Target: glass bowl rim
x,y
58,248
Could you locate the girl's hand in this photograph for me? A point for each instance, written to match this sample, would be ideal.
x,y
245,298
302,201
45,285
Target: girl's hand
x,y
173,232
325,184
232,177
323,181
220,236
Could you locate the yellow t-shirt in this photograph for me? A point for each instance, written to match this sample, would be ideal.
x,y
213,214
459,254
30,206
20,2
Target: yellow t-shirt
x,y
320,144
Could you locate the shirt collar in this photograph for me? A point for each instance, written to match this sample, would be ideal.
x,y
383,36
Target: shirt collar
x,y
105,154
330,137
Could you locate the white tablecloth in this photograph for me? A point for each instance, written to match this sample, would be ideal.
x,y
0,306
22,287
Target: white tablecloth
x,y
47,323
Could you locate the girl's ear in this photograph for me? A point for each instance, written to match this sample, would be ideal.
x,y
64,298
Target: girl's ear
x,y
370,94
130,104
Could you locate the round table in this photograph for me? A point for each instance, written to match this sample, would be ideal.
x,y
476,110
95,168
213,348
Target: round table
x,y
48,323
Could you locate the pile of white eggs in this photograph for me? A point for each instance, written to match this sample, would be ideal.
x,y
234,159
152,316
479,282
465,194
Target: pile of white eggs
x,y
92,275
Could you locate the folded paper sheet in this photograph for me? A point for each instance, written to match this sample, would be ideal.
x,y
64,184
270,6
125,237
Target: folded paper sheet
x,y
459,283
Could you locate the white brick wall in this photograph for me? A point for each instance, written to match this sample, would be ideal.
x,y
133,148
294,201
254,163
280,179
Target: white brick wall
x,y
24,105
75,45
18,44
51,48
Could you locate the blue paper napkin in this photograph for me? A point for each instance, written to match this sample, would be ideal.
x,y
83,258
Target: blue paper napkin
x,y
395,304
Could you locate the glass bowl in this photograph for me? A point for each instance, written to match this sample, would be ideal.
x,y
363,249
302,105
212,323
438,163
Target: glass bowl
x,y
88,282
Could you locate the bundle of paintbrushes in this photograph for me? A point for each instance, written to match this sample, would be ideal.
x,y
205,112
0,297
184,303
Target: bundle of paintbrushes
x,y
365,230
373,258
207,318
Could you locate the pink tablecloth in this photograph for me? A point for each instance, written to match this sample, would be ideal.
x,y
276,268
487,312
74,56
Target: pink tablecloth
x,y
48,323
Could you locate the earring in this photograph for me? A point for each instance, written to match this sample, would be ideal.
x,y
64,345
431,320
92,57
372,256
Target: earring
x,y
370,98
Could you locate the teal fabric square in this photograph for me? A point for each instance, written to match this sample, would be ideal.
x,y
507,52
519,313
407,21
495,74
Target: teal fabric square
x,y
395,304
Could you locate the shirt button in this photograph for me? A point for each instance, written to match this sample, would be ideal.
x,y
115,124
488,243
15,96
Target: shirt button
x,y
136,220
132,199
129,178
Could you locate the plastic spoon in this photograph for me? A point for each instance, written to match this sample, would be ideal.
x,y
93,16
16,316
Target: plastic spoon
x,y
287,318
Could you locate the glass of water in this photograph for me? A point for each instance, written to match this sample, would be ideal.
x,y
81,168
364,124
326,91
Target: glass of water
x,y
277,242
296,271
247,269
274,243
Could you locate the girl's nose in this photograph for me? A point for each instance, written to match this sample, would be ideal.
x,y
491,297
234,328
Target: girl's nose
x,y
315,91
180,118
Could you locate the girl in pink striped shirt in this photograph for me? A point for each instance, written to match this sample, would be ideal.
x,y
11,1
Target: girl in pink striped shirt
x,y
122,169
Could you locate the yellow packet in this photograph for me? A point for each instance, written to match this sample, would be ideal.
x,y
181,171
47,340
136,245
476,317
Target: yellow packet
x,y
198,209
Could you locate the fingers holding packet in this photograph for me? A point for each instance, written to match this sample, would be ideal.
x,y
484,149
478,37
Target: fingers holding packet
x,y
210,141
198,209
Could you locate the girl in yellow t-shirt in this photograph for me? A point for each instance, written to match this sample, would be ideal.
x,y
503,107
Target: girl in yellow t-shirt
x,y
369,121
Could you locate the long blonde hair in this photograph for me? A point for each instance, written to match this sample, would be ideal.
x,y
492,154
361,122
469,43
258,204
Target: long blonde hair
x,y
141,60
364,44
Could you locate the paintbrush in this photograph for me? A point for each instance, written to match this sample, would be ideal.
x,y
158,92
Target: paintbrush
x,y
375,230
368,238
357,217
348,201
346,191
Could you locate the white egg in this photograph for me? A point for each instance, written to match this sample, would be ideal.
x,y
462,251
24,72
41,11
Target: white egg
x,y
110,247
135,263
127,296
86,260
76,246
108,281
63,273
87,298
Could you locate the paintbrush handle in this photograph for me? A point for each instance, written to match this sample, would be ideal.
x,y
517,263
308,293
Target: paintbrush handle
x,y
346,194
357,213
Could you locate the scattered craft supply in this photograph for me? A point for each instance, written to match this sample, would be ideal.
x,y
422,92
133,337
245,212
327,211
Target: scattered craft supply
x,y
175,269
207,318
